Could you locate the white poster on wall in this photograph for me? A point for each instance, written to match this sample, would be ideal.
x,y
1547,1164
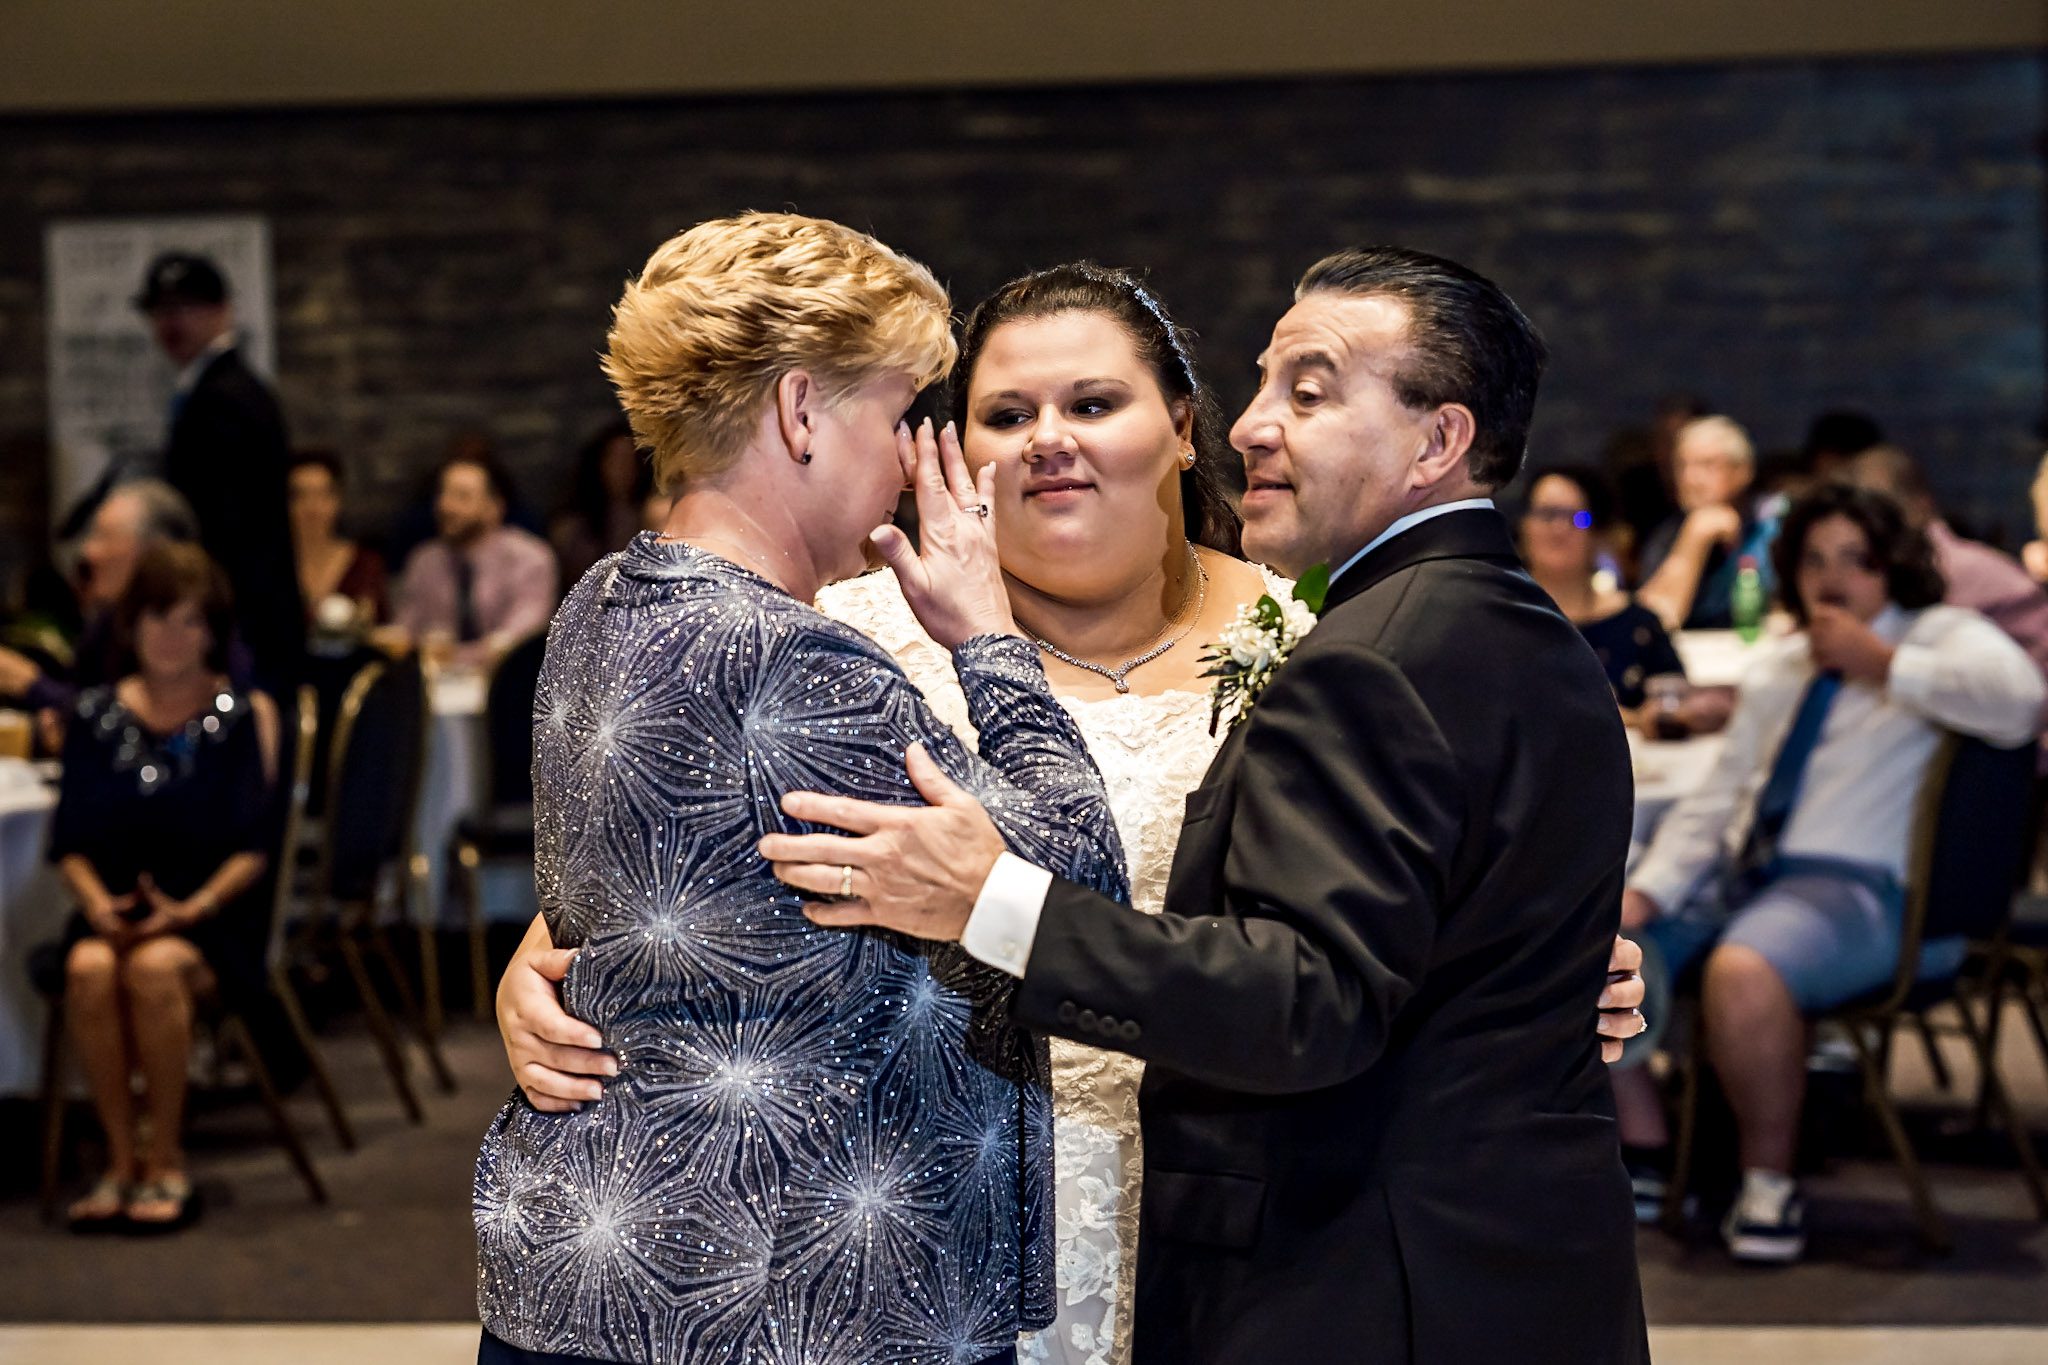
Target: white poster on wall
x,y
110,387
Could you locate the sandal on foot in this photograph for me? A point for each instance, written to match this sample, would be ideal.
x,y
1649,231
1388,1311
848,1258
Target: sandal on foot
x,y
103,1207
174,1190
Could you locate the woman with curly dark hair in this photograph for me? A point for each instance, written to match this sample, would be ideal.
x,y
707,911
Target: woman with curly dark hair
x,y
1783,872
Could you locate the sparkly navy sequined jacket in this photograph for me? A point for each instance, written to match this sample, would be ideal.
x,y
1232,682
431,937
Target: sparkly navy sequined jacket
x,y
824,1146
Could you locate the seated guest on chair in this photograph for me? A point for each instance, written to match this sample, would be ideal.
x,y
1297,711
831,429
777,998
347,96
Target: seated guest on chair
x,y
1978,577
131,519
1689,564
1568,513
479,584
1782,872
160,832
341,581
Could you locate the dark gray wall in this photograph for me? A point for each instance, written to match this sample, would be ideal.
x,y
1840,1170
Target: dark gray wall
x,y
1781,237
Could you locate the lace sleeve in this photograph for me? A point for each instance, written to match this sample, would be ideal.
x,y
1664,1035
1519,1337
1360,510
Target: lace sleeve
x,y
874,605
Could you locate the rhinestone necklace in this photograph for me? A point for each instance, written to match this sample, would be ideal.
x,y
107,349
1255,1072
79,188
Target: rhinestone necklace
x,y
1117,674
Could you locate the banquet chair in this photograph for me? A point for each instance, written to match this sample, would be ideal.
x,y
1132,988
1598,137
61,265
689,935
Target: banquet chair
x,y
2015,968
2018,962
228,1024
503,829
1968,852
365,855
277,954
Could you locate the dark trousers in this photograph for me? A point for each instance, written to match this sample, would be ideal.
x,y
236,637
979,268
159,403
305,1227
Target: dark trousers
x,y
491,1351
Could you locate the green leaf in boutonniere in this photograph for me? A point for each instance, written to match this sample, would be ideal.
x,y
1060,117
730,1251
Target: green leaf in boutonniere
x,y
1257,642
1313,587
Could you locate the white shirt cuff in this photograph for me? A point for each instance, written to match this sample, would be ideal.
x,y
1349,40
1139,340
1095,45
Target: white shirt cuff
x,y
1005,917
1914,678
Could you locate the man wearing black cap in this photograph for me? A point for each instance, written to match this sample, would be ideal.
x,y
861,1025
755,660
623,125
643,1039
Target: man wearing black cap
x,y
228,454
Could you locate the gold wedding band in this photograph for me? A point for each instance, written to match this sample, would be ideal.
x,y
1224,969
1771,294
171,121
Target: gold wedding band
x,y
845,881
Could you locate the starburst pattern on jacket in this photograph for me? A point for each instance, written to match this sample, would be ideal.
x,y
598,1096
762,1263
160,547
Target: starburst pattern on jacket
x,y
824,1146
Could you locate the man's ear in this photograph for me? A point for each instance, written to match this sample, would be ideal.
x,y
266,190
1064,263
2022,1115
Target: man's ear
x,y
795,399
1450,441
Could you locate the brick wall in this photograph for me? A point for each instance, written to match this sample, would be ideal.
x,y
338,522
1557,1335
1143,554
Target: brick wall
x,y
1781,237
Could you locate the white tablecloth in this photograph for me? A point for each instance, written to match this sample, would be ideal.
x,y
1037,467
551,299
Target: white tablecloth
x,y
453,787
32,910
1665,772
1712,658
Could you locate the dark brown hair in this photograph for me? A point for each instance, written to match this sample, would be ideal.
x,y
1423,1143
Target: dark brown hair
x,y
1898,550
1207,510
1468,343
174,572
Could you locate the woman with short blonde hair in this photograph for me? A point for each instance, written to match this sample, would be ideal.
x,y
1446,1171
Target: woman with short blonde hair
x,y
817,1146
724,310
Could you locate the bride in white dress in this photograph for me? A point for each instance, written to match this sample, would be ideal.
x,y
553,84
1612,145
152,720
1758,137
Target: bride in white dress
x,y
1114,529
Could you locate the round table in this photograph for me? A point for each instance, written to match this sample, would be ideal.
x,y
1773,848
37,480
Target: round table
x,y
32,911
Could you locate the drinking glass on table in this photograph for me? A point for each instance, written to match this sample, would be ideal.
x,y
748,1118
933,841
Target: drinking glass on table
x,y
1664,698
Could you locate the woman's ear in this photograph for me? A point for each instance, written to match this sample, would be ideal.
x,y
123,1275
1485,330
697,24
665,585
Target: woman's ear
x,y
1182,411
795,398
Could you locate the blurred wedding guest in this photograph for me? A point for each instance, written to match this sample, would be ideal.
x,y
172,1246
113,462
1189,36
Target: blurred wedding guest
x,y
1834,439
228,454
607,501
130,520
159,835
1978,577
415,523
1568,513
479,585
341,581
1639,459
2035,554
1782,872
1689,565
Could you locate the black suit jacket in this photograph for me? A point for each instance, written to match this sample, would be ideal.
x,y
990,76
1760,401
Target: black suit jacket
x,y
1376,1123
229,456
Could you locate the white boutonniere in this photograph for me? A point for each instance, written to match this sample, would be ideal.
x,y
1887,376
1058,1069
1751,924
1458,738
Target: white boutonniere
x,y
1255,645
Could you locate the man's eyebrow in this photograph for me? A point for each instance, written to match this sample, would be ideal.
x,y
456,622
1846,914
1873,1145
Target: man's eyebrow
x,y
1311,360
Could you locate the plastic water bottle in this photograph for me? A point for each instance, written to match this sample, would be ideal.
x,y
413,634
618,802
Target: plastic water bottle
x,y
1746,602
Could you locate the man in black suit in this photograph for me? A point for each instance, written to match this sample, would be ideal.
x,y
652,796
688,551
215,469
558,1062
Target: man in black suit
x,y
228,454
1376,1127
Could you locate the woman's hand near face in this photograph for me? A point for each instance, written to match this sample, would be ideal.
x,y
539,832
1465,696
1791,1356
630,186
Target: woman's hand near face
x,y
1717,525
556,1058
952,578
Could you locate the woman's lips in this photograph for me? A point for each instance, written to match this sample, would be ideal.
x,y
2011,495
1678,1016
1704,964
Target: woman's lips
x,y
1059,492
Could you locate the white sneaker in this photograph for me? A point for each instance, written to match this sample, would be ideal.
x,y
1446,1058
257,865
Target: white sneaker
x,y
1767,1225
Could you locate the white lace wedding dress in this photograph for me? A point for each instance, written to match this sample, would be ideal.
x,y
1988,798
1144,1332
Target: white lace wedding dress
x,y
1152,752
